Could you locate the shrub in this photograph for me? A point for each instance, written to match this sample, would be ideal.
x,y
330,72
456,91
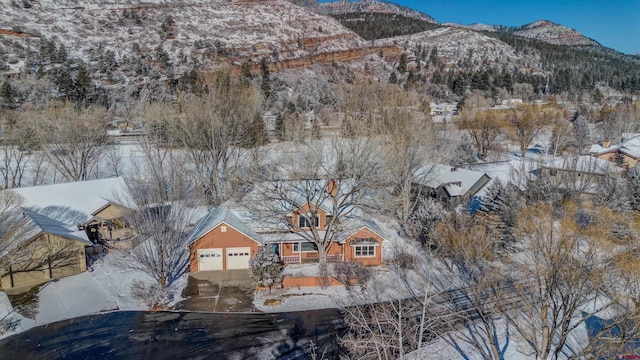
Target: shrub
x,y
347,271
266,269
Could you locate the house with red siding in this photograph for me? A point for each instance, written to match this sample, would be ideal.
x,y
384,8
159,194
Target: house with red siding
x,y
227,237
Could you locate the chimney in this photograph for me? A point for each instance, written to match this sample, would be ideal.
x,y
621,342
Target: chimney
x,y
606,143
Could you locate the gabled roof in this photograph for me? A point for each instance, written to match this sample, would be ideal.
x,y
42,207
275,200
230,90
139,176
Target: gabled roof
x,y
52,226
456,181
216,217
629,147
86,197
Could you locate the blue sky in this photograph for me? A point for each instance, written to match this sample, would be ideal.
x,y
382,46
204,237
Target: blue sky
x,y
613,23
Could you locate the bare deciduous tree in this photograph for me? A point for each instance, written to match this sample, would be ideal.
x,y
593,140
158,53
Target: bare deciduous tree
x,y
469,249
215,129
527,121
484,128
16,150
159,213
563,279
75,141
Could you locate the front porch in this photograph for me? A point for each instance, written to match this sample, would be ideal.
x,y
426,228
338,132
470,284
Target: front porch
x,y
306,252
310,258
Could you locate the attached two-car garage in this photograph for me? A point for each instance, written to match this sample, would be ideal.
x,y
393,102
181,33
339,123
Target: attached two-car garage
x,y
212,259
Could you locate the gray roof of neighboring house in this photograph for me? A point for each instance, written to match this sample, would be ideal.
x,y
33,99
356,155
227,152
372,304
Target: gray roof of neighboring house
x,y
217,216
41,223
457,181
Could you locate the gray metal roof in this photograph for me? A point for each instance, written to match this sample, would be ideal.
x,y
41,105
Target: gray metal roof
x,y
216,217
55,227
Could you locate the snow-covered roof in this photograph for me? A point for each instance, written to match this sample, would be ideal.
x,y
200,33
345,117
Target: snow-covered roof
x,y
217,216
583,163
456,181
41,223
86,197
629,147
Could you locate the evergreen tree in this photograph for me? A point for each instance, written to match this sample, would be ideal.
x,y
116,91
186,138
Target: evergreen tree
x,y
614,193
246,69
465,152
598,97
257,133
6,92
633,184
423,220
393,78
65,83
83,84
402,65
281,131
503,201
61,54
266,268
266,79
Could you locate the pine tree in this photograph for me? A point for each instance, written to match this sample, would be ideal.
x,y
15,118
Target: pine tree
x,y
465,152
83,84
633,183
423,221
266,268
6,92
614,193
393,78
402,65
503,201
266,80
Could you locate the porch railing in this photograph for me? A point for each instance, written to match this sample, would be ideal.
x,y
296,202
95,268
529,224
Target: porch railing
x,y
335,258
296,259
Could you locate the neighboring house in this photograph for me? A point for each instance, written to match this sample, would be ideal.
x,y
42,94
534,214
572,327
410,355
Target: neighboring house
x,y
625,154
225,240
40,249
581,173
95,206
450,185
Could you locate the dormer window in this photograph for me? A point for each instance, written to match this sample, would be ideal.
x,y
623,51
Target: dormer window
x,y
305,221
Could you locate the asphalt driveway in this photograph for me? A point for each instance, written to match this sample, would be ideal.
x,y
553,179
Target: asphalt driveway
x,y
218,291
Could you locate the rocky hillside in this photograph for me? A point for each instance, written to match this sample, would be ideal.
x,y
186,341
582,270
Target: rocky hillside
x,y
189,31
370,7
115,49
552,33
456,46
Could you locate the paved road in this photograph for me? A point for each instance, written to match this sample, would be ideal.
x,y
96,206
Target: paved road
x,y
179,335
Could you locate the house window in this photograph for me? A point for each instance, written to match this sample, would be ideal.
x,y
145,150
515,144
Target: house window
x,y
304,223
306,247
364,250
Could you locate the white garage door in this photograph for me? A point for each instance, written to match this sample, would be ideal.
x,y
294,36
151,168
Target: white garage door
x,y
209,259
238,258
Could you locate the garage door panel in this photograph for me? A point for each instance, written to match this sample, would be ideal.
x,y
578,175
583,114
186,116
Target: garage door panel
x,y
238,258
210,259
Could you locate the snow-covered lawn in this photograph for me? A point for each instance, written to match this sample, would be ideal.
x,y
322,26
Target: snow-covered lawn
x,y
384,285
108,287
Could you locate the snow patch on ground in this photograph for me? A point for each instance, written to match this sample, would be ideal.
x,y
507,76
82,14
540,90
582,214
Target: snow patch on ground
x,y
110,286
386,284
